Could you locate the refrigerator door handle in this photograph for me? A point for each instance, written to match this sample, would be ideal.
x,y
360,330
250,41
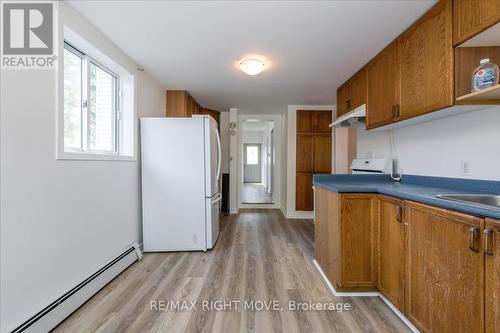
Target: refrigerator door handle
x,y
219,158
217,198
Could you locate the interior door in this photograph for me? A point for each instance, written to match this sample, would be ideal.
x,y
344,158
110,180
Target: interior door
x,y
252,163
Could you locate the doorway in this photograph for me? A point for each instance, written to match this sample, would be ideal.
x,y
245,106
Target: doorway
x,y
252,163
257,162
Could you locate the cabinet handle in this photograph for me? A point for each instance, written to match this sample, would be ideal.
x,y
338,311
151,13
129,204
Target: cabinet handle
x,y
488,242
394,111
399,214
473,232
398,111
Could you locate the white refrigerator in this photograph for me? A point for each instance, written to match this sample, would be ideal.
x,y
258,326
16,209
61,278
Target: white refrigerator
x,y
180,166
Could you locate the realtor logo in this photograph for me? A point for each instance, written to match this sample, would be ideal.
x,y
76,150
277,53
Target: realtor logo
x,y
28,35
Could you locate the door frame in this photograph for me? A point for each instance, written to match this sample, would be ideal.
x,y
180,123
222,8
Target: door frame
x,y
259,147
278,120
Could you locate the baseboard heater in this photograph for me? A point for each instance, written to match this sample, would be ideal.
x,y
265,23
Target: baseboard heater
x,y
57,311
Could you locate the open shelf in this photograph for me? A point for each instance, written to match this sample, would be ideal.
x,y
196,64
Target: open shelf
x,y
489,95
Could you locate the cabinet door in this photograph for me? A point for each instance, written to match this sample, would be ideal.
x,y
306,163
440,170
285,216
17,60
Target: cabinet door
x,y
305,121
427,63
383,87
326,231
304,192
444,270
358,89
391,250
305,153
343,95
322,121
358,224
492,275
322,153
471,17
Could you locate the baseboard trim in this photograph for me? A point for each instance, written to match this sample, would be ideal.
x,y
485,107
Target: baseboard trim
x,y
259,206
300,215
53,314
233,211
365,294
283,211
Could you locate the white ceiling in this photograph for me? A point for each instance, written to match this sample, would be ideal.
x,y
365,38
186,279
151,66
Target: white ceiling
x,y
259,125
313,46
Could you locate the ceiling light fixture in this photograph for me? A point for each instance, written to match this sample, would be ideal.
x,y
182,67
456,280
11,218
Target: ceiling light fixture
x,y
252,66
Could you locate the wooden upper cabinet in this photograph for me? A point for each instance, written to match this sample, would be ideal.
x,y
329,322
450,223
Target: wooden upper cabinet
x,y
427,63
178,103
305,121
305,152
309,121
471,17
391,250
358,89
181,104
212,113
444,264
357,226
352,94
343,94
492,275
322,153
383,87
322,121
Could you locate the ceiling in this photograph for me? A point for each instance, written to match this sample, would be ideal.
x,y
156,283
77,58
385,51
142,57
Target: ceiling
x,y
312,46
256,125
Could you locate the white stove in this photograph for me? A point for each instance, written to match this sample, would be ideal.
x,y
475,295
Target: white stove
x,y
371,166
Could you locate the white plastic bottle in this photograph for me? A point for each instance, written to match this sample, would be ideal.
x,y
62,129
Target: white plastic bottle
x,y
485,75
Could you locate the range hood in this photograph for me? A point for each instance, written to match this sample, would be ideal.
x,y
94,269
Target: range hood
x,y
354,118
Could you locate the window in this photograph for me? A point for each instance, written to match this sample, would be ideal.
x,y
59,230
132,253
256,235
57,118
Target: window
x,y
252,155
91,105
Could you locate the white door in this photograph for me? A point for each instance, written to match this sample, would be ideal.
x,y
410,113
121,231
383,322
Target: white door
x,y
252,163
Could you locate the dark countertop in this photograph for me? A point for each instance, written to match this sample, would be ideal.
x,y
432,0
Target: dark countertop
x,y
421,189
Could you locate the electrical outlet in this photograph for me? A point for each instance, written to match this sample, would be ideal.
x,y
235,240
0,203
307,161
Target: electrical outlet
x,y
466,168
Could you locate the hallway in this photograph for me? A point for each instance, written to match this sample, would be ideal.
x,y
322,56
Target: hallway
x,y
259,256
255,193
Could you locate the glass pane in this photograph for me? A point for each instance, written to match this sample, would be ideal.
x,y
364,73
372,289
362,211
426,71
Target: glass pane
x,y
72,100
252,155
101,110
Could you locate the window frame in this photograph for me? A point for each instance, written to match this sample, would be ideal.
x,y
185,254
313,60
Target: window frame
x,y
84,152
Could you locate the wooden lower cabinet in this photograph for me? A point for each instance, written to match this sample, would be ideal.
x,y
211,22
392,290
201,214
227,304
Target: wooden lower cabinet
x,y
344,229
326,226
357,242
390,254
491,239
440,268
444,270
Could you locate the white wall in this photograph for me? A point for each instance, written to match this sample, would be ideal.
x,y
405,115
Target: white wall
x,y
233,164
284,158
291,157
224,138
60,220
438,148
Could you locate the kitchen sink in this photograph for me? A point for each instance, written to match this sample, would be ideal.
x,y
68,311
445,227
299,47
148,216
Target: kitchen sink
x,y
486,200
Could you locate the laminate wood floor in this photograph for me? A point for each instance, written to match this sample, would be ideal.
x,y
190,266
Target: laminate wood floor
x,y
255,193
259,256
